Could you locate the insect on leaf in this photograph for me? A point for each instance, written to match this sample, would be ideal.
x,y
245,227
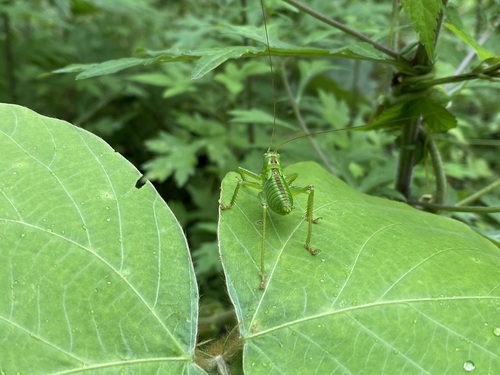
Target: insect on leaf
x,y
388,278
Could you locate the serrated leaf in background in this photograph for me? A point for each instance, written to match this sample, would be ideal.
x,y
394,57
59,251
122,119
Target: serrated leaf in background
x,y
176,157
436,116
423,15
218,56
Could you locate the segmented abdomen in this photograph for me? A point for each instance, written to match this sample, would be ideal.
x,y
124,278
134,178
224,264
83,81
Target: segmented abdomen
x,y
277,194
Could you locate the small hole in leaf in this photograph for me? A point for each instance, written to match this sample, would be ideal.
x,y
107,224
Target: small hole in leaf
x,y
140,182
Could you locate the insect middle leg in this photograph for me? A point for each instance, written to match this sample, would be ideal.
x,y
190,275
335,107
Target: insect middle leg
x,y
309,190
255,185
263,245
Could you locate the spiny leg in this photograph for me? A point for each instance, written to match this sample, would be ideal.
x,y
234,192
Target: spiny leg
x,y
310,220
263,246
255,185
309,190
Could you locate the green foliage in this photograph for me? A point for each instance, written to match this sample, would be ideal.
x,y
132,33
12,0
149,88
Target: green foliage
x,y
112,257
187,134
423,15
454,23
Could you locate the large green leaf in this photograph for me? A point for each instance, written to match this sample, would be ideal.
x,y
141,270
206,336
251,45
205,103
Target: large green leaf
x,y
393,290
95,273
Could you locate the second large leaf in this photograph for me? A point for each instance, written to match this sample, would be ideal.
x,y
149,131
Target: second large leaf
x,y
393,289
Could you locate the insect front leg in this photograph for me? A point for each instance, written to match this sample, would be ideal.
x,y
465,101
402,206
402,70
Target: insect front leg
x,y
309,190
242,182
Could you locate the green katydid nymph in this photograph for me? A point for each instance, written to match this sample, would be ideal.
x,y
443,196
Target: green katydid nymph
x,y
276,193
276,189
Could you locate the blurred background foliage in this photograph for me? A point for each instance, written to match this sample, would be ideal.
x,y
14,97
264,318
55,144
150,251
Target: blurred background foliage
x,y
186,134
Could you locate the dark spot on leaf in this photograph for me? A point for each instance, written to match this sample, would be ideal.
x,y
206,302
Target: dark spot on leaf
x,y
140,182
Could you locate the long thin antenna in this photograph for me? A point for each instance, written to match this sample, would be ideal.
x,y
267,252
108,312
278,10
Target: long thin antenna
x,y
272,72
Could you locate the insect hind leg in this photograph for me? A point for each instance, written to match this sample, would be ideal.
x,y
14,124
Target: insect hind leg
x,y
309,190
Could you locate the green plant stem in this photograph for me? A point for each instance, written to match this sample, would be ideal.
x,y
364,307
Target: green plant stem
x,y
392,41
248,81
206,324
442,207
344,28
409,134
93,110
491,72
273,85
479,194
406,160
303,125
437,164
353,102
465,62
303,52
10,77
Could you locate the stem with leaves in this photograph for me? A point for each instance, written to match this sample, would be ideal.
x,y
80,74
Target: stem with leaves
x,y
416,77
344,28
